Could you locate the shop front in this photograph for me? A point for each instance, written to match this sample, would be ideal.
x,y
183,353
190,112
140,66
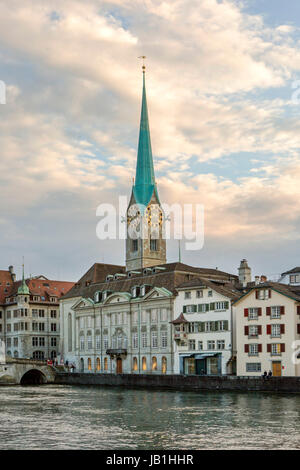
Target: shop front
x,y
201,364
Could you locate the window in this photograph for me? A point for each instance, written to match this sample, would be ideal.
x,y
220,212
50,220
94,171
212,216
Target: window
x,y
263,294
154,363
105,363
253,349
41,341
134,245
53,342
164,365
89,363
53,326
154,339
199,294
144,363
53,314
294,278
153,316
41,313
41,326
253,314
8,342
220,344
187,295
210,293
223,325
276,331
153,244
191,327
98,365
82,343
35,313
221,305
164,339
275,349
144,340
16,342
98,342
135,364
8,327
105,342
276,312
189,308
38,355
253,330
211,345
134,340
192,345
200,345
35,341
89,341
253,367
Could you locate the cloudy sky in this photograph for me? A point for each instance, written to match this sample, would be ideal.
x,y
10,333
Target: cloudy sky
x,y
224,115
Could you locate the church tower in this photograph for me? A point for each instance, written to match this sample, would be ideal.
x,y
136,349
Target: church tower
x,y
145,244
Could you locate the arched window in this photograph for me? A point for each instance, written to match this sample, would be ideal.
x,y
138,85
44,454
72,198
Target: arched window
x,y
98,364
135,364
16,354
8,353
89,363
154,363
70,339
53,355
81,365
105,363
164,365
144,363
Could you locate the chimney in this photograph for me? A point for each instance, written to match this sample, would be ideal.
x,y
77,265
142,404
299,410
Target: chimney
x,y
244,273
11,270
263,278
256,280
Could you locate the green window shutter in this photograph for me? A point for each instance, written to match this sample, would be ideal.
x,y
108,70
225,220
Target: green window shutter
x,y
194,308
199,307
226,305
217,327
212,306
226,324
212,326
184,309
206,307
202,326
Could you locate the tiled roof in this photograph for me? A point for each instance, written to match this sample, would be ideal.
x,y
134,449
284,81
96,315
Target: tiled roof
x,y
172,276
284,289
5,284
294,270
227,289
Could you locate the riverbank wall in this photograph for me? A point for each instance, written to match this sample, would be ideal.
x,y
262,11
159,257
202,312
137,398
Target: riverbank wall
x,y
183,382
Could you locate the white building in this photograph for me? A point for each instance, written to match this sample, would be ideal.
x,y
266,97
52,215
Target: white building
x,y
291,277
267,324
204,328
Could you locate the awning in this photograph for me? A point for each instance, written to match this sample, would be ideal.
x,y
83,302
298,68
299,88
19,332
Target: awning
x,y
204,355
185,355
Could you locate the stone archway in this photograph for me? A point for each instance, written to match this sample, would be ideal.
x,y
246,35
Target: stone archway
x,y
33,377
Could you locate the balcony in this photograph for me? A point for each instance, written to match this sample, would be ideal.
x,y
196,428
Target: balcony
x,y
117,352
180,335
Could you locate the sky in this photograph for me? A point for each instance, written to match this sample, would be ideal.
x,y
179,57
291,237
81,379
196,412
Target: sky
x,y
224,115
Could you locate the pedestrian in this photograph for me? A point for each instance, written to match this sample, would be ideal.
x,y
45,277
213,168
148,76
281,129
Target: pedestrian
x,y
265,375
269,374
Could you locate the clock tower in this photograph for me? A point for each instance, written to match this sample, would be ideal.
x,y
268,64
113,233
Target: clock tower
x,y
145,244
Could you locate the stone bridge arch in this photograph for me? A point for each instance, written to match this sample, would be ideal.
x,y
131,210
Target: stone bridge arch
x,y
27,371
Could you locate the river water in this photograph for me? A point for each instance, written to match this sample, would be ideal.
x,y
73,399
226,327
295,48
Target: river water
x,y
86,417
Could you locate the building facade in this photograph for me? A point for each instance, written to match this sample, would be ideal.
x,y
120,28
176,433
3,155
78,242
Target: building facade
x,y
268,324
29,315
204,328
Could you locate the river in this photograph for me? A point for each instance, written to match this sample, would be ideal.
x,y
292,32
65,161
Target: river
x,y
90,417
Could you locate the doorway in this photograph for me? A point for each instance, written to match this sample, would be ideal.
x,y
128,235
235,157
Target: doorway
x,y
119,365
276,368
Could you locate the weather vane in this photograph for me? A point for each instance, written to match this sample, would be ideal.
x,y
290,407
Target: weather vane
x,y
143,57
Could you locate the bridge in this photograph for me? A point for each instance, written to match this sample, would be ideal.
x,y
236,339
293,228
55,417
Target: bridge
x,y
17,371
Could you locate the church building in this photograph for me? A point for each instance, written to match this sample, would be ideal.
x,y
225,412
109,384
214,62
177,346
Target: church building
x,y
118,319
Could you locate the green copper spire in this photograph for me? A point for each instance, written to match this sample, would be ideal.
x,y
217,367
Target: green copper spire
x,y
144,179
23,289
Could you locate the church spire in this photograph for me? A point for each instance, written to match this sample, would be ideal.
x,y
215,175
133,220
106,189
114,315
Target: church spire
x,y
144,179
23,289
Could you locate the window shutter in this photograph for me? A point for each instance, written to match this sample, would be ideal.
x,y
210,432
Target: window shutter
x,y
259,311
282,329
268,329
282,347
298,309
259,330
246,348
246,329
212,306
246,312
282,310
194,308
256,294
268,310
226,305
217,326
184,309
207,307
268,348
226,325
298,329
270,293
260,348
199,307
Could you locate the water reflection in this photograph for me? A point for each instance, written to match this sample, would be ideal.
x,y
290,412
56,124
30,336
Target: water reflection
x,y
65,417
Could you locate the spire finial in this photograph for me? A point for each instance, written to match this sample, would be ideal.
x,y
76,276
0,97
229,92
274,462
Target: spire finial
x,y
143,66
